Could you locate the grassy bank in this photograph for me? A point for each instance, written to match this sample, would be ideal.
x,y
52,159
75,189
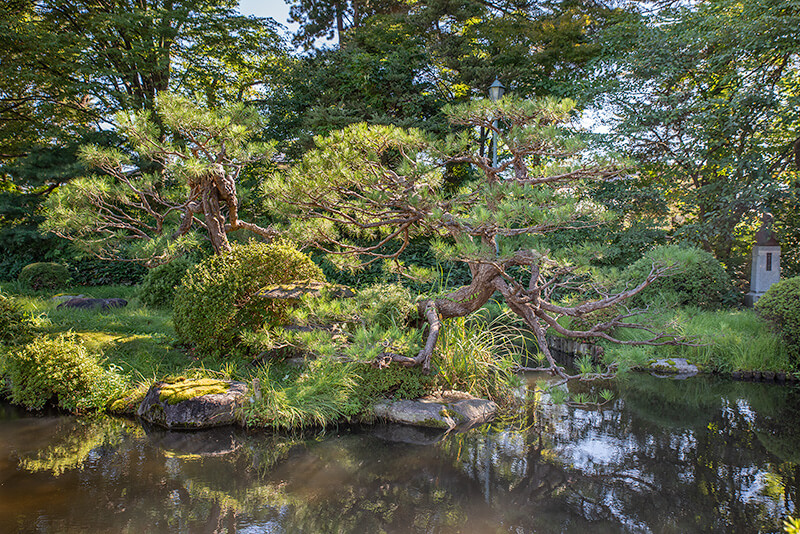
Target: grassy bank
x,y
717,341
125,350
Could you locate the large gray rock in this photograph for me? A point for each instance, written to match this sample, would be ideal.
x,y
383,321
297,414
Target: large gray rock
x,y
447,410
83,303
677,368
187,404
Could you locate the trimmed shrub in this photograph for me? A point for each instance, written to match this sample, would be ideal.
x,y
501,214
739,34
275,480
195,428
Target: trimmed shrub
x,y
158,287
15,326
217,298
696,279
44,275
780,305
60,369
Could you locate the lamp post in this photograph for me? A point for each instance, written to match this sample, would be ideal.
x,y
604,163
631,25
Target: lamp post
x,y
496,91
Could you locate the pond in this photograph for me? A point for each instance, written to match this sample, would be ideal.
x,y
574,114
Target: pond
x,y
664,456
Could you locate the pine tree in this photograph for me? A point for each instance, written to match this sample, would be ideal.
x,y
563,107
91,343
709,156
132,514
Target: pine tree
x,y
146,201
383,184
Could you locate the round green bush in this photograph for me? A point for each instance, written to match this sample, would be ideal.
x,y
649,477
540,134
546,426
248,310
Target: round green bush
x,y
15,325
59,368
780,305
696,278
217,298
158,287
44,275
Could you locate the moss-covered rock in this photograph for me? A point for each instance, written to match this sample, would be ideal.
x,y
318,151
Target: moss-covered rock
x,y
193,403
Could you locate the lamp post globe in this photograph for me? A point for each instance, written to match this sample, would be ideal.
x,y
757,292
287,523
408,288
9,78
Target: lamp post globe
x,y
496,90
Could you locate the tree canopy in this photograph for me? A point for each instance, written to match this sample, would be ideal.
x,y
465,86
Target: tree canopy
x,y
704,95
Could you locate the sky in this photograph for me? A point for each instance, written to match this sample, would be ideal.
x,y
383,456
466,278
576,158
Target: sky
x,y
277,9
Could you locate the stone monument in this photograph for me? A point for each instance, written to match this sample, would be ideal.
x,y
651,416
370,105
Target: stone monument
x,y
766,267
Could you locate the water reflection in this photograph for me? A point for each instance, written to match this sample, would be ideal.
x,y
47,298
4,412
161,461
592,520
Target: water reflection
x,y
665,456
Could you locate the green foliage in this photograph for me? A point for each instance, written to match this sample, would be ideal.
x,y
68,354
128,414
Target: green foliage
x,y
44,275
696,279
721,341
16,326
707,101
60,368
791,526
385,305
781,306
158,285
217,298
97,272
361,328
143,205
325,392
394,382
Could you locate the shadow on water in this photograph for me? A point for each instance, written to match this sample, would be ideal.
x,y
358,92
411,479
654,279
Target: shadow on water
x,y
665,456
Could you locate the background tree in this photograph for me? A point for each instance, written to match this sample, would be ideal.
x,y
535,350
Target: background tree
x,y
401,63
128,212
384,184
67,65
706,95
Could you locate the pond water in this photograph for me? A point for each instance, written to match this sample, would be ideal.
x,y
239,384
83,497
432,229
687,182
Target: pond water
x,y
665,456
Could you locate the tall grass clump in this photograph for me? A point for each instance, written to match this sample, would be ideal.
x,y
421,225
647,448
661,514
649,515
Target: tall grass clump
x,y
721,341
478,357
325,392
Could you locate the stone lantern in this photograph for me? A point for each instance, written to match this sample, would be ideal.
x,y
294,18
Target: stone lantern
x,y
766,267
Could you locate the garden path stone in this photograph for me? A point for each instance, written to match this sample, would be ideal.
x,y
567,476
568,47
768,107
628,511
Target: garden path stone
x,y
447,410
201,411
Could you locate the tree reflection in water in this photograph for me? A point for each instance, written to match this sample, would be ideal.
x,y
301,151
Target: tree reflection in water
x,y
665,456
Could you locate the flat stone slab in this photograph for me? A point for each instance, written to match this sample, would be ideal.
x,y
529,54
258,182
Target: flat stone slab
x,y
679,367
193,403
446,410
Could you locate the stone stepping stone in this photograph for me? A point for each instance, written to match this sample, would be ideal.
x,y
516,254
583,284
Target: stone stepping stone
x,y
447,410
